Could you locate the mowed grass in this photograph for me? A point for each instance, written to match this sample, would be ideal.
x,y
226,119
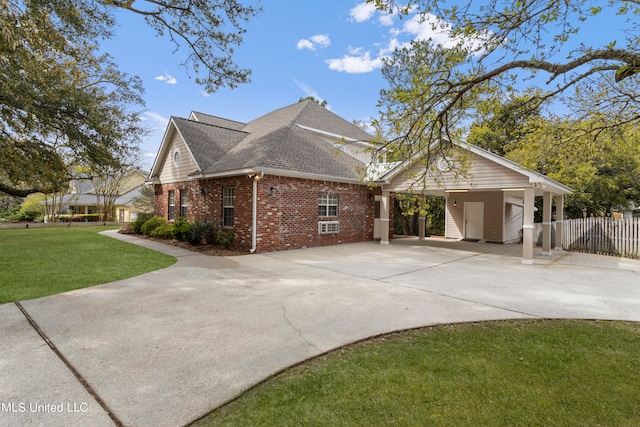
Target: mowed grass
x,y
508,373
38,262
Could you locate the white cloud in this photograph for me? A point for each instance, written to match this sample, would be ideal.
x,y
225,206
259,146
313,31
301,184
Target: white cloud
x,y
417,27
386,20
393,45
365,11
305,44
169,79
362,12
154,121
355,64
321,40
308,90
428,27
423,28
314,42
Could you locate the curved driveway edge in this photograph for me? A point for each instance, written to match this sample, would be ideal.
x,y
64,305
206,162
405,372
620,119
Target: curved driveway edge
x,y
164,348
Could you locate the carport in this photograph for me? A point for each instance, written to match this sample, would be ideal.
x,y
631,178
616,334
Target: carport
x,y
488,198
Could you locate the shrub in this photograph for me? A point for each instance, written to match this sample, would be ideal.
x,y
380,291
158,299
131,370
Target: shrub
x,y
209,233
24,215
199,231
165,231
152,224
139,222
225,238
181,228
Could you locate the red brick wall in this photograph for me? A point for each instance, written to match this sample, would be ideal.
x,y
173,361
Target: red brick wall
x,y
287,210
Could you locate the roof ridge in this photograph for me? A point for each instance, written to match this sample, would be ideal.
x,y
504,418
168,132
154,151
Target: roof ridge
x,y
217,117
212,125
304,107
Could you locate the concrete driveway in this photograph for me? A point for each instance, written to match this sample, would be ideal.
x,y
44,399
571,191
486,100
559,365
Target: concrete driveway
x,y
164,348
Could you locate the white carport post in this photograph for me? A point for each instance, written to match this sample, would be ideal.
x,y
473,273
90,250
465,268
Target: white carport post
x,y
546,223
559,221
384,218
421,219
527,226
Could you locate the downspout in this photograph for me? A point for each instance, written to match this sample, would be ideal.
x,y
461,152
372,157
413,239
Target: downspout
x,y
254,219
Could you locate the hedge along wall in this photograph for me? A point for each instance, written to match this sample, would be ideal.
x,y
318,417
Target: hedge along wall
x,y
287,210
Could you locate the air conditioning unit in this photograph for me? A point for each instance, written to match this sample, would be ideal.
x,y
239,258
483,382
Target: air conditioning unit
x,y
328,227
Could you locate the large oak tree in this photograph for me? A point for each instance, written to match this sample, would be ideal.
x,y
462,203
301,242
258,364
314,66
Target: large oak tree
x,y
64,102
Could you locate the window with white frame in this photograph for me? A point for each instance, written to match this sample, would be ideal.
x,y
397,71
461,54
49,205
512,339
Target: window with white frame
x,y
171,215
227,207
184,194
328,227
328,205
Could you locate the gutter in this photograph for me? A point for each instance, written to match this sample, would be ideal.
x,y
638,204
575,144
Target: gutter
x,y
254,215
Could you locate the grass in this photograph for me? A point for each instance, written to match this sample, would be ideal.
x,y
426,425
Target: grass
x,y
508,373
38,262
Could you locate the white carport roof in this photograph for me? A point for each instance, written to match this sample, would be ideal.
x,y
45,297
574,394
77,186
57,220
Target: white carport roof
x,y
486,171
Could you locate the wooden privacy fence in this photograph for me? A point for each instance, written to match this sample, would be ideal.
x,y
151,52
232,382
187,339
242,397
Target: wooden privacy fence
x,y
605,236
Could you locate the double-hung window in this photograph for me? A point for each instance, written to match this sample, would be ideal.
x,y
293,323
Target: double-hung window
x,y
227,207
328,205
184,194
172,205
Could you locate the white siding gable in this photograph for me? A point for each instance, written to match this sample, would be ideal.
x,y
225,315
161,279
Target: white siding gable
x,y
170,172
481,174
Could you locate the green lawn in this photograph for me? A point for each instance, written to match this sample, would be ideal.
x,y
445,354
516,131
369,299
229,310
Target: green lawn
x,y
512,373
37,262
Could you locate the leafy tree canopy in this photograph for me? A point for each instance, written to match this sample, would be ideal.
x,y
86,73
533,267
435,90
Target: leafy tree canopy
x,y
64,102
314,99
436,91
604,172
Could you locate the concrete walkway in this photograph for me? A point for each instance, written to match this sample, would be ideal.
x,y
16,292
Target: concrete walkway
x,y
166,347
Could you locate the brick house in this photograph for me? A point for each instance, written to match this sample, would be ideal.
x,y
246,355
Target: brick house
x,y
289,179
293,179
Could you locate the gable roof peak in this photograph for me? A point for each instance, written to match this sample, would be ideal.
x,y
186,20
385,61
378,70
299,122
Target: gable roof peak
x,y
215,120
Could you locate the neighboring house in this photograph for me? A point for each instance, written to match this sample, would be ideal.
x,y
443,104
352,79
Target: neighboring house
x,y
631,210
83,199
294,178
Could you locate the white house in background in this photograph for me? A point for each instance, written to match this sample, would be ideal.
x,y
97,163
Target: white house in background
x,y
82,201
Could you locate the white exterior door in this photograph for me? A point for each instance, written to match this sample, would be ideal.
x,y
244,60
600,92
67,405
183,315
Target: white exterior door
x,y
474,220
377,222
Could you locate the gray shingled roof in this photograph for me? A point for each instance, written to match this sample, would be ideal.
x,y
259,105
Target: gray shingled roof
x,y
207,143
273,141
217,121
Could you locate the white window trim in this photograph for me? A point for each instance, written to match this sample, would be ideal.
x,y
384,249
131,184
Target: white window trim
x,y
171,204
226,198
325,201
328,227
176,157
184,202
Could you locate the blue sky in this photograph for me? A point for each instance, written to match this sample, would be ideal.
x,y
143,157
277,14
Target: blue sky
x,y
328,49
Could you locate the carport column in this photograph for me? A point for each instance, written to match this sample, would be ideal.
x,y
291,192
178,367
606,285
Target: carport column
x,y
546,223
527,226
421,219
384,218
559,221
